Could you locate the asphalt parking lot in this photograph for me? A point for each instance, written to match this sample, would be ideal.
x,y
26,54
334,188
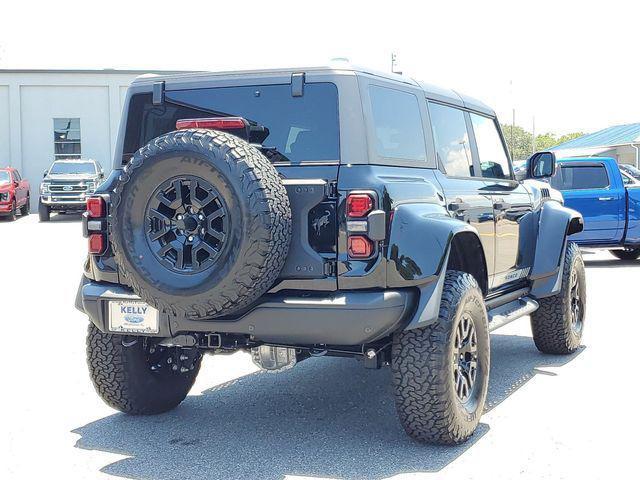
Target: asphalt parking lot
x,y
548,417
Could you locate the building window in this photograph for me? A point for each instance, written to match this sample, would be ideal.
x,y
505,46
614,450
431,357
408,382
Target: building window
x,y
66,138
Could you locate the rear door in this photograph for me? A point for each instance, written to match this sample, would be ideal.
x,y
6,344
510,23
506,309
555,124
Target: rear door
x,y
588,188
302,141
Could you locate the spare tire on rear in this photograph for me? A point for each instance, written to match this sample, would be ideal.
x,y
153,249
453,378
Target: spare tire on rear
x,y
201,223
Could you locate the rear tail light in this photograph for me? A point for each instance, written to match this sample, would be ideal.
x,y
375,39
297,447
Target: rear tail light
x,y
359,205
360,246
96,207
94,225
216,123
97,243
363,224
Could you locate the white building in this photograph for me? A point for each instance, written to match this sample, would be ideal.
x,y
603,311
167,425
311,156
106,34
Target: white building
x,y
48,114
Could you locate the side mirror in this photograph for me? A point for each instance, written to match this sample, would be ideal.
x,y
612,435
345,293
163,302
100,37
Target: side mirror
x,y
101,175
45,173
541,165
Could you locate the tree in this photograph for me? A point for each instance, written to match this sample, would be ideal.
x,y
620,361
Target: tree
x,y
520,142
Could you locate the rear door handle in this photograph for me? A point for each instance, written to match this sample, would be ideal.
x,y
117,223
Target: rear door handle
x,y
605,199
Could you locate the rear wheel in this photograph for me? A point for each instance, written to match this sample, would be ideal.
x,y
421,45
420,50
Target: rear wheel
x,y
135,376
24,210
626,254
558,324
44,212
441,371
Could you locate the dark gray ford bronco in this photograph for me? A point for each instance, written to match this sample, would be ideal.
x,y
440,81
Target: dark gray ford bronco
x,y
321,211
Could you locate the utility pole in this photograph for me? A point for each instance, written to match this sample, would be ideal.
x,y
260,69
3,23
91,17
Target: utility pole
x,y
513,117
394,64
533,138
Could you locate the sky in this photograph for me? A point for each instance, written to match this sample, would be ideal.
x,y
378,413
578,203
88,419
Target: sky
x,y
571,65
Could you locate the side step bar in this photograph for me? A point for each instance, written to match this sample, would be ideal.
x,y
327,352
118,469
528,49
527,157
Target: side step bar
x,y
511,311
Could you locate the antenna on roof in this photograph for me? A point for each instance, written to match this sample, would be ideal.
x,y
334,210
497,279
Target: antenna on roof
x,y
394,64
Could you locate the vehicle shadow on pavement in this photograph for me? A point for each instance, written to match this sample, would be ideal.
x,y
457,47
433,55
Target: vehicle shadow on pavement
x,y
68,217
608,263
325,418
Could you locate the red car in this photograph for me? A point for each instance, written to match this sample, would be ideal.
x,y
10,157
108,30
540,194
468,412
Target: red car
x,y
14,193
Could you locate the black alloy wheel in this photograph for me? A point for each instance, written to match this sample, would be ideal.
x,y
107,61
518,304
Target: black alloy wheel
x,y
465,359
187,224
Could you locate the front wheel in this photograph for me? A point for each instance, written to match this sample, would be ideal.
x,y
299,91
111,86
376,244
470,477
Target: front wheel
x,y
135,376
626,254
441,371
558,324
12,215
44,212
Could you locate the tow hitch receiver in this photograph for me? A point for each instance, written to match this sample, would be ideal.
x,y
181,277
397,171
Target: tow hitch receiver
x,y
273,358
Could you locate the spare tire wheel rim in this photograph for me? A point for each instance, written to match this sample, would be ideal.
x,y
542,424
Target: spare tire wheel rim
x,y
187,223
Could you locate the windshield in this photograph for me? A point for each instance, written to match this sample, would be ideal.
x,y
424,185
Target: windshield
x,y
302,128
631,170
73,168
5,178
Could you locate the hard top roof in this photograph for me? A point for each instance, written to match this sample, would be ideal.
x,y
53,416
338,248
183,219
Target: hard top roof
x,y
433,92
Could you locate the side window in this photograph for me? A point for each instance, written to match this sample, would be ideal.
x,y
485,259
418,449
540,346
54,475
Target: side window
x,y
580,177
16,176
452,140
397,124
494,162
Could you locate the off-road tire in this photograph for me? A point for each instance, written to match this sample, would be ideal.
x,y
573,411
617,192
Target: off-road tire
x,y
423,368
122,377
626,254
258,240
44,212
552,326
24,210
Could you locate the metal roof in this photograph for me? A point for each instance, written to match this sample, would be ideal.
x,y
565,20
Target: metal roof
x,y
616,135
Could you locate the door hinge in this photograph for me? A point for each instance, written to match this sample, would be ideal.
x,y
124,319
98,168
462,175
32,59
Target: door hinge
x,y
158,93
297,84
332,190
330,268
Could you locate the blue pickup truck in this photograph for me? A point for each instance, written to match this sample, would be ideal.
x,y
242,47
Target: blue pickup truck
x,y
610,206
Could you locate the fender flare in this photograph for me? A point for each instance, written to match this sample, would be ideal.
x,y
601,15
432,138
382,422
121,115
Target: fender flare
x,y
420,241
555,225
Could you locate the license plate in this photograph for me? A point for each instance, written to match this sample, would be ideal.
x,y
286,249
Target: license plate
x,y
128,316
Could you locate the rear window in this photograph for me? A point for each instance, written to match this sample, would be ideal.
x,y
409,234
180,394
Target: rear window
x,y
580,177
300,128
397,124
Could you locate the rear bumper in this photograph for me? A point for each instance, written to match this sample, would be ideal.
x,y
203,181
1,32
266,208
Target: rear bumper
x,y
336,318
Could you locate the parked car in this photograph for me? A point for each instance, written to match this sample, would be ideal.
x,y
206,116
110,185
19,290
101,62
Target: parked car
x,y
66,185
595,187
14,193
327,213
630,174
